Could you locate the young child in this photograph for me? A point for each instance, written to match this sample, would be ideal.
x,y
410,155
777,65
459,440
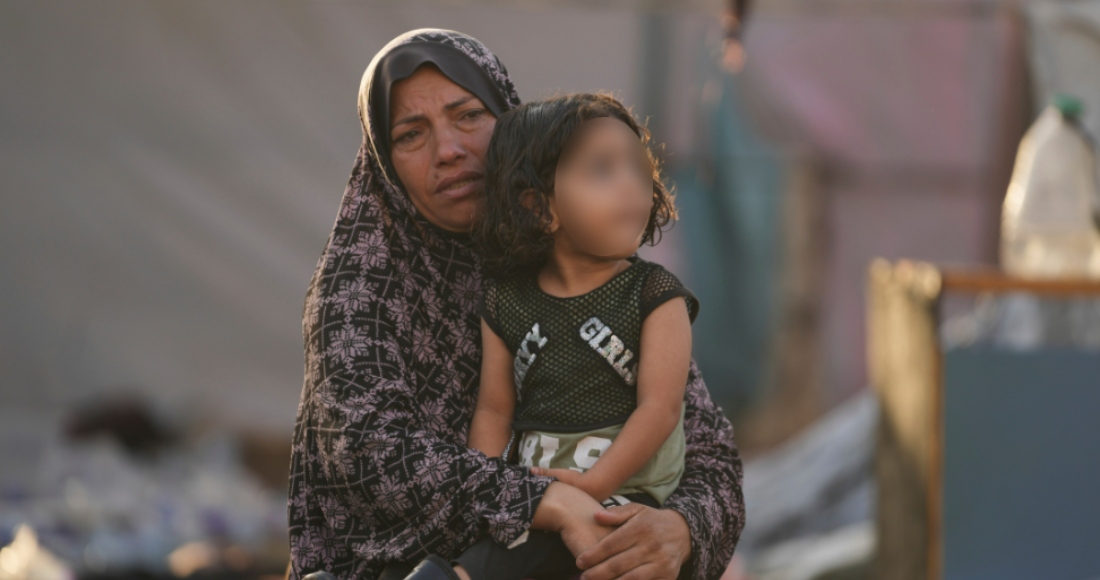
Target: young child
x,y
586,346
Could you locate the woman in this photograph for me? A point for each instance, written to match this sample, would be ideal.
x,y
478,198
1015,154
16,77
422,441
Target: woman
x,y
380,473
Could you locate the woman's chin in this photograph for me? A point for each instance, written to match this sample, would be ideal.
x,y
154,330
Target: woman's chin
x,y
451,214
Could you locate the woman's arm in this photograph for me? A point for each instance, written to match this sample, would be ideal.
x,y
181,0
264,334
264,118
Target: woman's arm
x,y
391,487
496,400
662,370
701,520
709,496
399,488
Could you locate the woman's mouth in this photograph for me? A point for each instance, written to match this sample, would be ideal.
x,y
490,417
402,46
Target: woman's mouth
x,y
461,187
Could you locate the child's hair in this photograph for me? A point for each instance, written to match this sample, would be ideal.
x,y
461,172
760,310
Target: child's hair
x,y
511,230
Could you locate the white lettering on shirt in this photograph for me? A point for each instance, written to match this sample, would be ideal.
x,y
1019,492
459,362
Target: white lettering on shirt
x,y
525,357
614,351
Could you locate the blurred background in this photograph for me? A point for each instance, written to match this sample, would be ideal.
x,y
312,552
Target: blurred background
x,y
170,171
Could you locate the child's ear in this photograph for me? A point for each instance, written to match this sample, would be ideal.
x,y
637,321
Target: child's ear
x,y
528,198
552,205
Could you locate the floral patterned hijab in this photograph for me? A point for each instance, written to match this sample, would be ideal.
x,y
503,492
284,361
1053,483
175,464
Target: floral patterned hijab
x,y
383,254
380,471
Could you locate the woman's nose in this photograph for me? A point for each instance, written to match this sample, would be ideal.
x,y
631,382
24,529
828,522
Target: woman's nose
x,y
449,147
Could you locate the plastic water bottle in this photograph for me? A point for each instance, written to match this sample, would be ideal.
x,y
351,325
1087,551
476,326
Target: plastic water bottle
x,y
1049,226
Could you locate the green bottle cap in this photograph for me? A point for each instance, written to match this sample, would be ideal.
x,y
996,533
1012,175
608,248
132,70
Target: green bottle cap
x,y
1069,105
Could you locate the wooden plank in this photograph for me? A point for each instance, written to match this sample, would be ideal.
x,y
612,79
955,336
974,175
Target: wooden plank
x,y
903,355
992,280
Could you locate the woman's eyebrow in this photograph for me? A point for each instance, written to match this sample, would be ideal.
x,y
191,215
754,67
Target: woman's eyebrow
x,y
457,103
421,117
409,119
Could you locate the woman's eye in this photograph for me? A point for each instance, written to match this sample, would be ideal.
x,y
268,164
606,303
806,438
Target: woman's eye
x,y
405,137
473,113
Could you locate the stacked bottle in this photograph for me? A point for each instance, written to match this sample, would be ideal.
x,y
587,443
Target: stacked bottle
x,y
1051,217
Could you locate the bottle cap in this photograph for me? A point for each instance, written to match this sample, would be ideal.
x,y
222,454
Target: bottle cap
x,y
1069,105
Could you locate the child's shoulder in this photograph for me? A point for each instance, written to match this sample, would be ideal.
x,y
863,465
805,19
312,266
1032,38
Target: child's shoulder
x,y
500,291
505,283
658,285
652,273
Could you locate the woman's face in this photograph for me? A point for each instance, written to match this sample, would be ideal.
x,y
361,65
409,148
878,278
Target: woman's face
x,y
439,133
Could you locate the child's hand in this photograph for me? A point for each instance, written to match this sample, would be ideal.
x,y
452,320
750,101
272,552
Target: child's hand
x,y
563,475
573,478
584,537
571,512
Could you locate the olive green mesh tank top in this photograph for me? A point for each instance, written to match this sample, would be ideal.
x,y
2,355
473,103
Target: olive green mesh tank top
x,y
576,358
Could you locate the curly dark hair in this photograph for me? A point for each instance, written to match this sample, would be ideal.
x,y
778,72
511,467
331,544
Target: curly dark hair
x,y
511,228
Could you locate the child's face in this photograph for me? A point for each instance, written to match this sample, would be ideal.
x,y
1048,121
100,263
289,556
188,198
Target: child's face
x,y
603,190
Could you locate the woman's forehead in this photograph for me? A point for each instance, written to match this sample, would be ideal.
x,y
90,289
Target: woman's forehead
x,y
426,91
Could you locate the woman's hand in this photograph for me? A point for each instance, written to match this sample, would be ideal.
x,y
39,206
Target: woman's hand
x,y
571,513
648,543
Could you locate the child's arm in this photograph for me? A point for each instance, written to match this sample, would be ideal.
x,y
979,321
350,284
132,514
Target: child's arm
x,y
496,400
490,431
662,375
